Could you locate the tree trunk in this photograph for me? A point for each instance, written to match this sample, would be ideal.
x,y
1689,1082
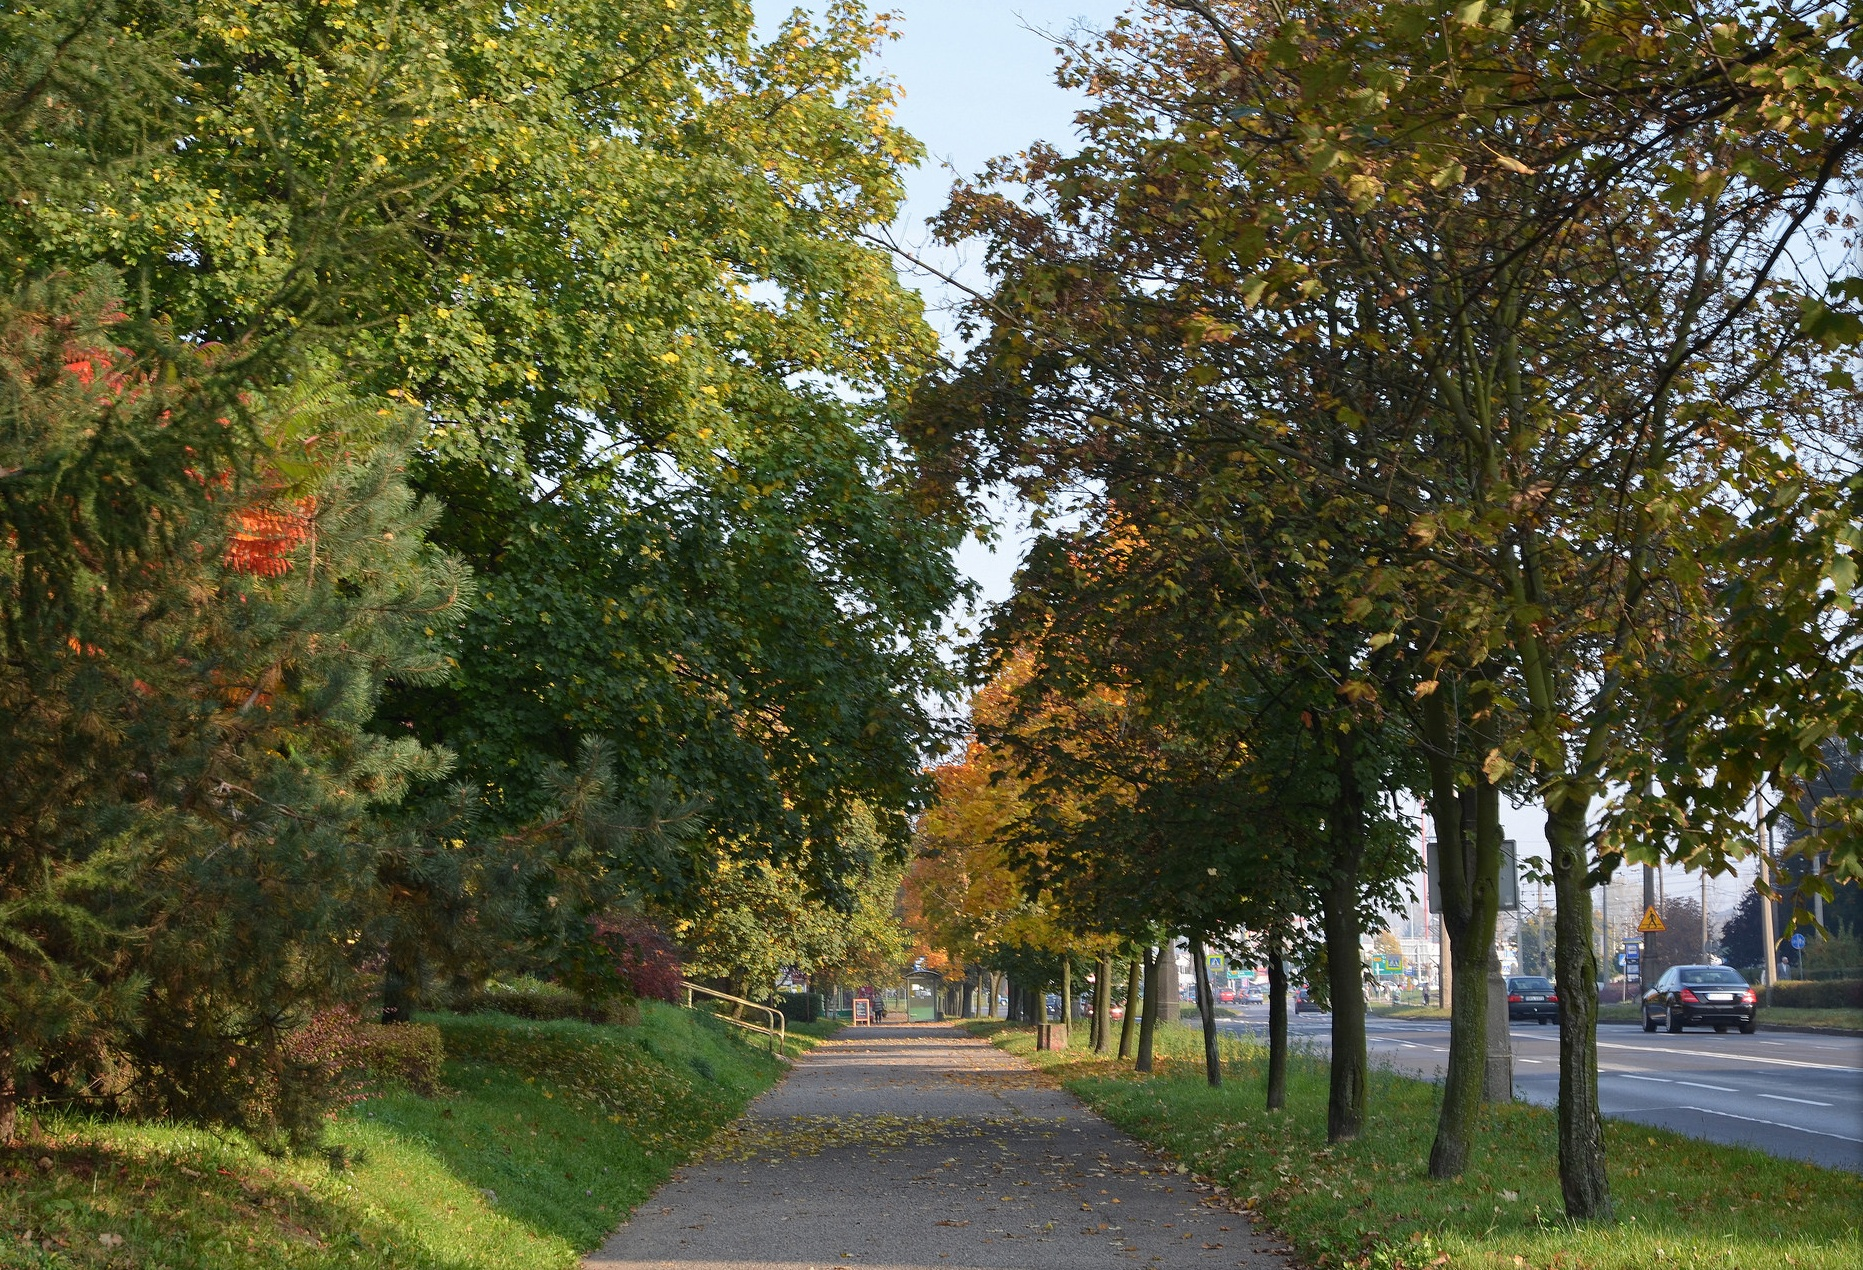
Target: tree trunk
x,y
1206,1011
1103,1005
1148,1026
1581,1128
401,981
1345,1099
1468,1056
1131,1010
1277,1029
1468,863
9,1097
1067,991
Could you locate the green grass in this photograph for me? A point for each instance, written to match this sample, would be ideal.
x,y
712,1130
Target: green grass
x,y
544,1137
1778,1016
1410,1012
1631,1012
1680,1201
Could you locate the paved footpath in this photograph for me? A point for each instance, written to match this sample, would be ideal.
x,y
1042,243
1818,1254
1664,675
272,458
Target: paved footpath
x,y
918,1147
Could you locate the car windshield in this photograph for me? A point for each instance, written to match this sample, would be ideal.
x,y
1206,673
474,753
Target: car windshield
x,y
1696,976
1532,985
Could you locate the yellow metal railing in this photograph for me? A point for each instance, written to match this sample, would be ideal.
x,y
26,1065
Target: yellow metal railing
x,y
778,1032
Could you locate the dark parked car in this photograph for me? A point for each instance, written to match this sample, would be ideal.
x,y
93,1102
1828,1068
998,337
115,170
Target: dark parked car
x,y
1304,1002
1696,995
1531,997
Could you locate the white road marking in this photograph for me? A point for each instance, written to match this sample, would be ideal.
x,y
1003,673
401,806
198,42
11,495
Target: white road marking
x,y
1529,1060
1731,1058
1776,1124
1654,1080
1723,1089
1809,1102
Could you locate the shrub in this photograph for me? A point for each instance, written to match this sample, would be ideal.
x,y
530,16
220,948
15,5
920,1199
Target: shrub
x,y
624,957
645,957
529,998
331,1062
349,1052
1819,994
802,1007
409,1053
524,997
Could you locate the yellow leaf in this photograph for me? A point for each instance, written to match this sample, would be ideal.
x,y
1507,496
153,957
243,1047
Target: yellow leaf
x,y
1496,768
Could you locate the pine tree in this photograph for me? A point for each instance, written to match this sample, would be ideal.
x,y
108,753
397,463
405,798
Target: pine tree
x,y
190,835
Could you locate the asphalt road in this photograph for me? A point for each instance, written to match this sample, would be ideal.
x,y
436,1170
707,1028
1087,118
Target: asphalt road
x,y
1790,1094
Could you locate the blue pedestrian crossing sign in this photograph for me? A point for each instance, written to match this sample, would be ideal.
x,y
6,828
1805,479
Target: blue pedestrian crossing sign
x,y
1219,966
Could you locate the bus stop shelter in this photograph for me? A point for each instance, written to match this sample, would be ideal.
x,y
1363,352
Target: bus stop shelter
x,y
924,989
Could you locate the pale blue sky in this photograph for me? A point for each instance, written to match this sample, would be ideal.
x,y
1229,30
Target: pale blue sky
x,y
977,81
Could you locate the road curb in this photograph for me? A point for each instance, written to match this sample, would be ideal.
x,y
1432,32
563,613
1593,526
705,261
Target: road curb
x,y
1809,1029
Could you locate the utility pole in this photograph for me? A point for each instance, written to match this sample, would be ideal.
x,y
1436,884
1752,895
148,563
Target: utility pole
x,y
1643,953
1769,968
1442,957
1604,928
1539,926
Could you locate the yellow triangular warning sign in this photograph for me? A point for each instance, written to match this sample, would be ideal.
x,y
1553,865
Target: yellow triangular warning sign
x,y
1651,923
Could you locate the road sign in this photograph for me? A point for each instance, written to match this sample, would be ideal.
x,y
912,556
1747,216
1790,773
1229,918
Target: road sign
x,y
1218,964
1652,922
1798,940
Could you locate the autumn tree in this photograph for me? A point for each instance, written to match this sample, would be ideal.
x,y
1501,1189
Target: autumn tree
x,y
969,892
1309,229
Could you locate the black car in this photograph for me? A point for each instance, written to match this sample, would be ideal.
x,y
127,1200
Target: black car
x,y
1531,997
1700,995
1304,1002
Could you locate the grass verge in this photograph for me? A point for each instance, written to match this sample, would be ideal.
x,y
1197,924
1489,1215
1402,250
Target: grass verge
x,y
1369,1203
1836,1019
1409,1012
1839,1020
545,1136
